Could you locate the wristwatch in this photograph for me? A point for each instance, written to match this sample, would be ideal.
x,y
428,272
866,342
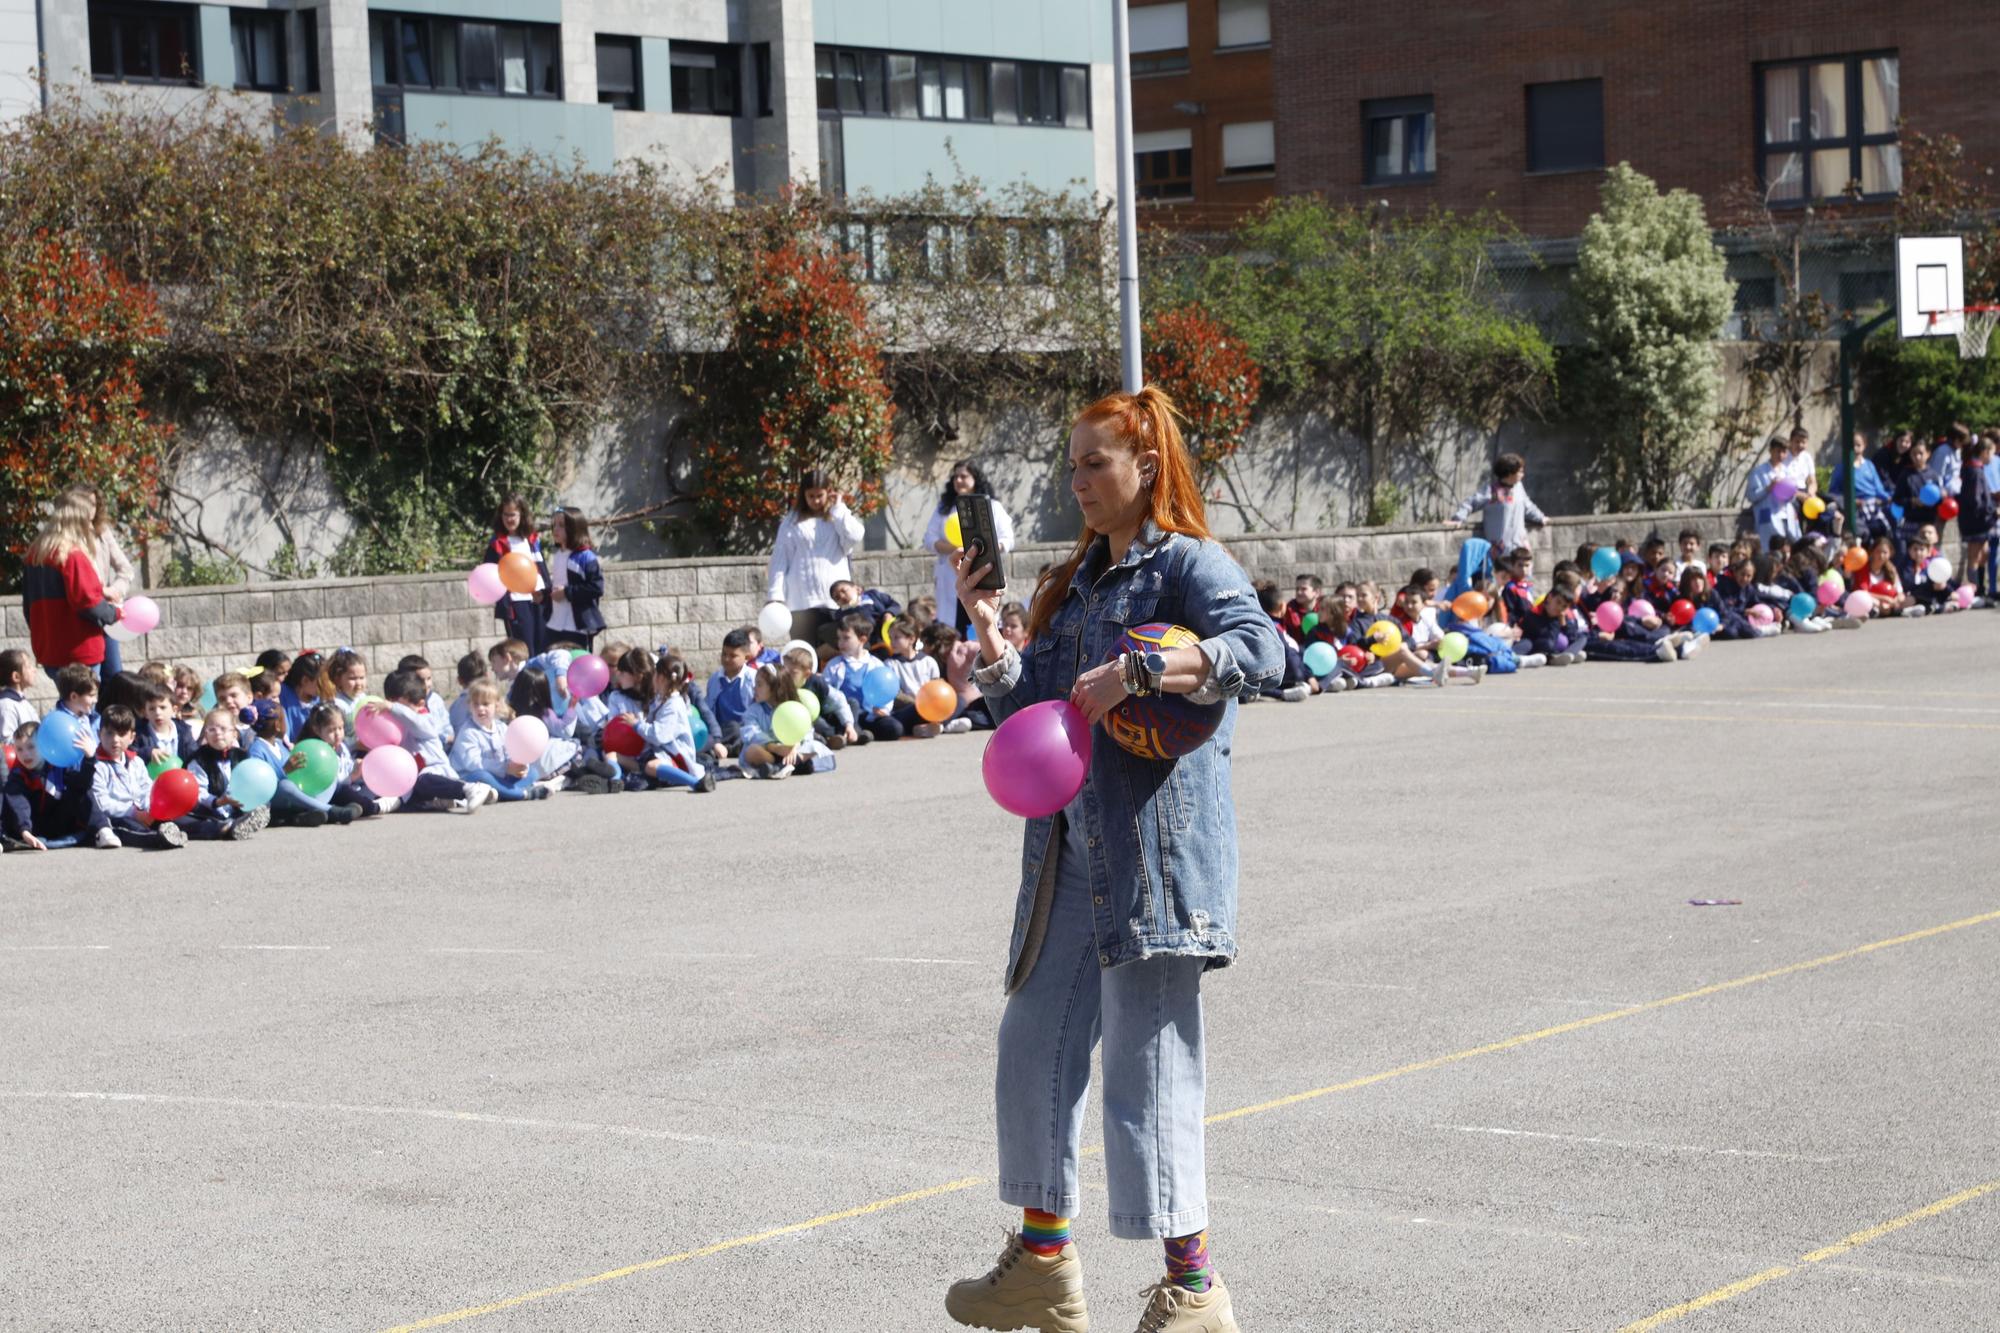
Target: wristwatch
x,y
1153,671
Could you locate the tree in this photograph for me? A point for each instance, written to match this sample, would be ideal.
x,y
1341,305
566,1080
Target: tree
x,y
1393,326
801,387
1649,296
73,337
1212,378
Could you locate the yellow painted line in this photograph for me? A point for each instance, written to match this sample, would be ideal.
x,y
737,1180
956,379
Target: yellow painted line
x,y
1609,1016
1838,1248
735,1243
1438,1062
1820,721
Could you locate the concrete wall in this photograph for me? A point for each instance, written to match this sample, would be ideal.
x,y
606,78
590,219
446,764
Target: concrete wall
x,y
691,604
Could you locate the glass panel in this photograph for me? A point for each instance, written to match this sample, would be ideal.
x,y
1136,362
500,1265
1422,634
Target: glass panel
x,y
954,90
1076,96
513,60
548,74
977,80
930,89
309,42
1881,97
1423,144
135,48
170,47
416,53
103,46
378,61
616,70
874,84
1831,170
1385,148
829,96
269,65
1882,169
246,66
1784,177
447,54
1157,27
479,57
1828,88
1781,105
1006,92
849,70
1244,22
903,86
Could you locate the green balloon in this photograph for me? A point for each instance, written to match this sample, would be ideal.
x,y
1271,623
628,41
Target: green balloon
x,y
320,770
1310,623
791,723
162,762
1453,647
810,702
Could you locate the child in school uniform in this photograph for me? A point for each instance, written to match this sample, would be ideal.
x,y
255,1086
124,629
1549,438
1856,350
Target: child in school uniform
x,y
913,671
122,792
525,614
568,762
1553,630
1503,505
438,785
160,732
846,671
1909,495
17,677
345,681
326,724
835,724
214,759
479,750
298,694
1881,581
655,705
433,701
1731,595
290,806
731,689
46,808
764,755
576,581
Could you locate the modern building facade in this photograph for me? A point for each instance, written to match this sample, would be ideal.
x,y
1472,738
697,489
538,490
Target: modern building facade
x,y
1205,146
868,96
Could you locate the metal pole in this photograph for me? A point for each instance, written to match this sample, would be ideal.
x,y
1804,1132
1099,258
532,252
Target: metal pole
x,y
1850,343
1128,214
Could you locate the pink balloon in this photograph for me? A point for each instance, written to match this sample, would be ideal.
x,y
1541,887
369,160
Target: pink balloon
x,y
1761,614
1859,604
527,739
484,584
389,771
1641,609
140,615
588,675
1963,596
1037,761
377,731
1829,593
1609,616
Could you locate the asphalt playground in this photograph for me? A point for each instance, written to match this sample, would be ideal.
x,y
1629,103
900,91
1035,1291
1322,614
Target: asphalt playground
x,y
724,1063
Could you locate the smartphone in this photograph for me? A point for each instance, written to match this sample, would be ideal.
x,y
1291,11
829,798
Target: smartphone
x,y
982,543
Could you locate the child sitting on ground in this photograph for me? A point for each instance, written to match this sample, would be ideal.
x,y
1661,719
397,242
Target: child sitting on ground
x,y
438,785
505,659
569,760
479,750
1305,602
122,792
215,758
76,694
731,690
17,677
761,654
851,599
1293,683
160,732
835,723
655,705
1553,630
471,667
267,677
764,755
298,693
325,723
187,695
1927,597
346,680
848,669
1879,579
913,671
232,691
1014,625
433,702
956,657
45,808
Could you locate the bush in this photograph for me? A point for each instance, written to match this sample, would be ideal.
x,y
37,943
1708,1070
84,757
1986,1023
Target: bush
x,y
1921,385
1212,378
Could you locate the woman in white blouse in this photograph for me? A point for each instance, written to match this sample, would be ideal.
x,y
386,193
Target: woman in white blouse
x,y
965,479
811,554
114,571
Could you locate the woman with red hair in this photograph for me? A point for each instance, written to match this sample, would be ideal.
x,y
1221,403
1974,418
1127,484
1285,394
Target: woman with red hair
x,y
1128,895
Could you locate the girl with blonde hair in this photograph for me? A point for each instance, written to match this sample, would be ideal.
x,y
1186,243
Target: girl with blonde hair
x,y
64,599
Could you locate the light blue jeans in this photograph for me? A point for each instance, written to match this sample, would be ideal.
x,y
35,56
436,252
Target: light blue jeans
x,y
1148,1014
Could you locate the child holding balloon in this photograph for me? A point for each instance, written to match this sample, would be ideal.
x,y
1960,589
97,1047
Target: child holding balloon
x,y
438,785
517,549
854,672
45,807
480,752
121,792
655,705
913,671
326,725
766,751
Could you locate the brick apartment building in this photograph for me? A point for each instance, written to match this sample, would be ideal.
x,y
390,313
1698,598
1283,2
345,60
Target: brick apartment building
x,y
1519,104
1204,136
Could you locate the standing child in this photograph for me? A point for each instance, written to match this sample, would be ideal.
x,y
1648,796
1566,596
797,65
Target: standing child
x,y
17,677
576,581
1976,515
479,751
731,690
1503,505
299,693
764,755
523,613
438,786
1910,495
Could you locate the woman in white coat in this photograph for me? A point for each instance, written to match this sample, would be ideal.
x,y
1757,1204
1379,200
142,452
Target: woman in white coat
x,y
965,479
811,554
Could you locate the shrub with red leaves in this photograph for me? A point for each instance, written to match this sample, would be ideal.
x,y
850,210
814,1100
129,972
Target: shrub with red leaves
x,y
1212,378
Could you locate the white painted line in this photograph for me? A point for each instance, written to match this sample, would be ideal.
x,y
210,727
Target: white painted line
x,y
1352,985
485,951
1636,1147
52,948
280,948
701,955
929,962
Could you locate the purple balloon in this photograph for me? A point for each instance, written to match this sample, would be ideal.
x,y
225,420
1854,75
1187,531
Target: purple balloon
x,y
588,676
1782,491
1037,761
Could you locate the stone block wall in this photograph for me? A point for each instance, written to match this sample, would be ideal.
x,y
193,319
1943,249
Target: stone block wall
x,y
691,604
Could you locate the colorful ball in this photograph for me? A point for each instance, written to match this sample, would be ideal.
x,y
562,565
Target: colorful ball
x,y
588,676
1854,559
1384,638
1161,726
140,615
527,739
880,686
1609,616
1353,658
1782,491
376,729
1929,495
790,723
810,702
1812,506
320,770
1641,609
1705,621
1681,612
1761,614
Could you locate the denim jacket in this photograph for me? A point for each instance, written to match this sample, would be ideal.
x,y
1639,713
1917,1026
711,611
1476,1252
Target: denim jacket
x,y
1161,834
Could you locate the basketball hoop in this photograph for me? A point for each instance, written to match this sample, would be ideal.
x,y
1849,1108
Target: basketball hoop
x,y
1975,328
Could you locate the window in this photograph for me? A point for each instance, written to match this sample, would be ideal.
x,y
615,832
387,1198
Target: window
x,y
705,79
908,87
258,37
760,61
1250,147
618,70
143,44
462,56
1243,23
1041,95
1159,38
1400,144
1163,164
1566,125
309,47
903,86
1827,128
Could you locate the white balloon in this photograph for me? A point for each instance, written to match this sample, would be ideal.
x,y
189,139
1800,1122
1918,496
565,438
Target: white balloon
x,y
1938,571
117,630
774,621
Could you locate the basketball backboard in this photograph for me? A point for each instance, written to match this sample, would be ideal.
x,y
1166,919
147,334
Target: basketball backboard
x,y
1930,286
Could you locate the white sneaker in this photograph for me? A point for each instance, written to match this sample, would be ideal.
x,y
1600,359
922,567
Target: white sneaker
x,y
1471,675
107,838
1914,613
1375,682
1770,630
1667,650
1338,685
958,726
1819,626
390,804
478,794
1531,660
1694,644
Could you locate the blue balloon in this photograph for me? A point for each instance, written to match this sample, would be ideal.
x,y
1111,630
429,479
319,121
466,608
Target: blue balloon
x,y
1321,658
1706,621
1930,494
252,783
59,739
700,733
1604,562
1896,512
1801,606
880,686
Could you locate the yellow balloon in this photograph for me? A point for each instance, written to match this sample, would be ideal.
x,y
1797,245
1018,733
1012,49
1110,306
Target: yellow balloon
x,y
1813,506
811,703
1384,639
954,532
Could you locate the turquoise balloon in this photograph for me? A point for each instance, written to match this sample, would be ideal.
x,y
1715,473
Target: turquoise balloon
x,y
253,783
1801,606
1604,561
1321,658
700,733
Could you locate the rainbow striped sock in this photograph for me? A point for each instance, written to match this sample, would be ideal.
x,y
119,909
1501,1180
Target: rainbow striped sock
x,y
1187,1261
1044,1233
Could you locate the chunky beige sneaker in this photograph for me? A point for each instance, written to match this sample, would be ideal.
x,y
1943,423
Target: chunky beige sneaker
x,y
1024,1290
1175,1309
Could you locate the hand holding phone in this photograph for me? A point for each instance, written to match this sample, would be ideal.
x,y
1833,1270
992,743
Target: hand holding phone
x,y
982,541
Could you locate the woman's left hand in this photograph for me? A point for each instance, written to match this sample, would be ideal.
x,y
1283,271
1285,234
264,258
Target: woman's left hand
x,y
1098,691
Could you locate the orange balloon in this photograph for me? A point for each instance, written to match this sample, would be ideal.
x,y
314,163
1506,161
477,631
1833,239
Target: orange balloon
x,y
517,572
1854,559
1470,605
937,701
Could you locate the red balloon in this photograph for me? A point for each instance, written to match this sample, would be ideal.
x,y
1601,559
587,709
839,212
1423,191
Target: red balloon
x,y
1947,508
620,737
1681,612
174,794
6,756
1354,657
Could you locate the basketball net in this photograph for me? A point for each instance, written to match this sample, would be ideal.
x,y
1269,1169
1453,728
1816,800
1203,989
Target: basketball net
x,y
1975,329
